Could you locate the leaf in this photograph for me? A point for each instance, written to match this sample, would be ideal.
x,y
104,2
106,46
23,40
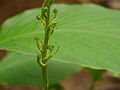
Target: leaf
x,y
20,69
88,35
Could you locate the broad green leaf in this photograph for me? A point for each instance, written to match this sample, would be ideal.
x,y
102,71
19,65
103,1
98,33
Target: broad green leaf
x,y
88,35
20,69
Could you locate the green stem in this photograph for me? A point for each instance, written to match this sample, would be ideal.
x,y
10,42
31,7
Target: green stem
x,y
45,46
44,68
46,39
42,57
45,78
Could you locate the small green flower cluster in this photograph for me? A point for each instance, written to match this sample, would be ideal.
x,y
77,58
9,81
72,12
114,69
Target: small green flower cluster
x,y
48,22
47,19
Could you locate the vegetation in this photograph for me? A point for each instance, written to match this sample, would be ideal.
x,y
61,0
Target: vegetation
x,y
88,36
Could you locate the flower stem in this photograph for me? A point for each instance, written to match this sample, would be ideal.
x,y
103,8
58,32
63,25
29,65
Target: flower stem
x,y
45,78
47,19
46,39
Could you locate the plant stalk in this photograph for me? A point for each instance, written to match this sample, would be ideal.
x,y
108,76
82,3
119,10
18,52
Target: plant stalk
x,y
45,52
44,68
45,78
